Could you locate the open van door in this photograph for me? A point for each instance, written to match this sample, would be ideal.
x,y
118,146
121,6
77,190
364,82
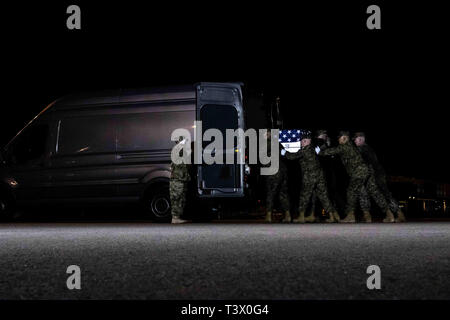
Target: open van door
x,y
219,106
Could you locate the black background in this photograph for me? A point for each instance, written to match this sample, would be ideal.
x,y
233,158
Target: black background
x,y
329,69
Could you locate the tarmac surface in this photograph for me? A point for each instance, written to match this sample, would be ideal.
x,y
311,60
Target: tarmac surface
x,y
142,260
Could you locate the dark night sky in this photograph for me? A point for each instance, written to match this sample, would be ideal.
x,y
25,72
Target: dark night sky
x,y
328,69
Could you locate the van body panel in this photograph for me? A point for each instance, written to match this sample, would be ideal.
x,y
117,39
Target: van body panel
x,y
160,171
139,123
83,159
144,143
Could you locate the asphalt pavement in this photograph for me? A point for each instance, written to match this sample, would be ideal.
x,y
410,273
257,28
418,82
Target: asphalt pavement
x,y
141,260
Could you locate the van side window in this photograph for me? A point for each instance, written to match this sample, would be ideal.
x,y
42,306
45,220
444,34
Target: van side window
x,y
30,144
151,130
89,134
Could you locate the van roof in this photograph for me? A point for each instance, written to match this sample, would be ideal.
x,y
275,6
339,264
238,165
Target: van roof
x,y
117,96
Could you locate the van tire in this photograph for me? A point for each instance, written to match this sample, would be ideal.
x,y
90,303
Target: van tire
x,y
7,208
157,203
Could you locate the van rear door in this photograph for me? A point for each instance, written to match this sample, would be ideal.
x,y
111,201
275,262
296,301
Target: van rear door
x,y
219,106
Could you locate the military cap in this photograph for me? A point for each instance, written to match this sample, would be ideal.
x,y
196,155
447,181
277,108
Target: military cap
x,y
343,133
306,134
359,134
320,132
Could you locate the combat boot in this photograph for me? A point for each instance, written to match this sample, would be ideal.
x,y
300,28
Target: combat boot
x,y
331,218
287,217
336,216
350,218
367,218
300,218
268,216
311,218
400,216
389,216
177,220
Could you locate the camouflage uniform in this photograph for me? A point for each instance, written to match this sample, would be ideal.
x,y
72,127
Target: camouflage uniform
x,y
328,165
375,168
313,180
178,188
364,200
276,186
359,176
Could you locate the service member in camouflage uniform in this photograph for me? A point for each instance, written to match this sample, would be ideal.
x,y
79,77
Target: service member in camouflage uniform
x,y
379,174
313,180
323,141
276,186
359,176
179,180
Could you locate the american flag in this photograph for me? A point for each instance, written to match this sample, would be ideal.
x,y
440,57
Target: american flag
x,y
290,139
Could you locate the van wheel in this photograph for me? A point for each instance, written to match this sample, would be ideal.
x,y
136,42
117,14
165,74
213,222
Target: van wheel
x,y
6,208
157,204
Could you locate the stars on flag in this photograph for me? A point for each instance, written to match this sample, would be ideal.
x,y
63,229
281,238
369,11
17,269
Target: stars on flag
x,y
289,136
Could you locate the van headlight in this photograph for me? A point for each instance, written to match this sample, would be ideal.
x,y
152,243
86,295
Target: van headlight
x,y
12,182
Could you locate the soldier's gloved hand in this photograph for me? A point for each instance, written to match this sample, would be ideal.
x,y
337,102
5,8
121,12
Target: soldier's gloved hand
x,y
283,152
317,149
